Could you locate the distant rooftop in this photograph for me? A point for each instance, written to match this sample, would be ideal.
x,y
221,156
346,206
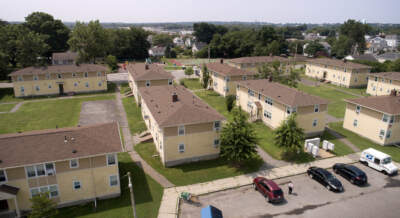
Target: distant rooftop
x,y
337,63
227,70
387,104
140,72
60,69
258,59
388,75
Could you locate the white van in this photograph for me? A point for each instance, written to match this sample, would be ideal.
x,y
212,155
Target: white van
x,y
378,160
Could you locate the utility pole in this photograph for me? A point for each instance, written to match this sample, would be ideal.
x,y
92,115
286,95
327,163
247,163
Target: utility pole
x,y
132,196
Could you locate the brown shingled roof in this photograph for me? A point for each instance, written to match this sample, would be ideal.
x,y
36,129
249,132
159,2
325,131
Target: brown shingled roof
x,y
155,72
65,55
258,59
281,93
19,149
189,109
387,75
227,70
386,104
338,63
60,69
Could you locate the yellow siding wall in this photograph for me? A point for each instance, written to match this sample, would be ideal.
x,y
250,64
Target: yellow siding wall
x,y
381,86
219,84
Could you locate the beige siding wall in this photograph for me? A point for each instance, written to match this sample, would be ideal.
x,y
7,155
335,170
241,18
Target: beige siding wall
x,y
220,84
381,86
338,76
369,125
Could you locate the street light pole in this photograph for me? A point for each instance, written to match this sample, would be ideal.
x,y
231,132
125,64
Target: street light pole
x,y
132,196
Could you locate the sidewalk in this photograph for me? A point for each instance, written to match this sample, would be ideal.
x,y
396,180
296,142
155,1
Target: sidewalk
x,y
169,207
343,139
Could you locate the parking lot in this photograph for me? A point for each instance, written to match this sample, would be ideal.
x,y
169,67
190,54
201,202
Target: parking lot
x,y
380,198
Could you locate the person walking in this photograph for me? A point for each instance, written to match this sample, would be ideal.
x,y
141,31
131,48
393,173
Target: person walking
x,y
290,186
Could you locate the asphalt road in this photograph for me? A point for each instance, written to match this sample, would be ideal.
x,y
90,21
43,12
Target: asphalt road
x,y
380,198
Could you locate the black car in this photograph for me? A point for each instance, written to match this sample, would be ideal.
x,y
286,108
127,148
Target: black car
x,y
351,173
325,178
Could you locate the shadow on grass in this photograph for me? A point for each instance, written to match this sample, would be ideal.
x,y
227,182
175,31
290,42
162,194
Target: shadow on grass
x,y
297,158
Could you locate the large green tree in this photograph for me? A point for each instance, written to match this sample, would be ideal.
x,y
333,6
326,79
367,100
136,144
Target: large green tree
x,y
31,47
314,47
129,43
204,32
43,207
90,41
289,135
56,33
205,77
162,39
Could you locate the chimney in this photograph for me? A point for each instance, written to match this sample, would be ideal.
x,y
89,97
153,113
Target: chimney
x,y
221,61
344,60
146,66
270,78
174,97
65,139
393,92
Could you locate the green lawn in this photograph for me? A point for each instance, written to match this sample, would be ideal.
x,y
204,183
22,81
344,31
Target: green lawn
x,y
124,88
364,143
336,106
195,172
134,115
340,148
216,101
45,114
148,195
6,107
193,84
7,95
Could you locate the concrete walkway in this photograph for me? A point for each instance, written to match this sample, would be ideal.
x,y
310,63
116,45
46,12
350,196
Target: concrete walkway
x,y
269,162
16,107
169,207
343,139
331,119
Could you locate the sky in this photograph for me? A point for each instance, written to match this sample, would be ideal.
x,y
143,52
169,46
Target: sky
x,y
143,11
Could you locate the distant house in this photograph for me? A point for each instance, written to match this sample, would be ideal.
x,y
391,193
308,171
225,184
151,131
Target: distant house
x,y
188,42
59,79
376,44
272,103
64,58
393,41
388,56
141,75
338,72
184,127
157,51
72,165
253,63
178,41
363,57
197,46
383,83
326,46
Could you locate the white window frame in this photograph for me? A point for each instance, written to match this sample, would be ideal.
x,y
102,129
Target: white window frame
x,y
316,108
37,88
109,180
115,159
315,123
170,82
20,78
181,130
87,84
35,77
179,147
22,89
75,84
86,74
71,161
47,75
5,176
244,77
381,133
46,171
73,74
48,188
216,145
215,127
269,101
59,76
388,133
100,84
98,74
358,109
355,122
49,86
74,186
385,118
267,114
148,83
250,92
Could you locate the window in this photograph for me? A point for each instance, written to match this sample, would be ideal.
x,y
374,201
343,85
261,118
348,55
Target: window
x,y
244,77
216,143
376,78
181,148
345,70
373,88
215,84
87,85
314,123
49,86
391,119
75,84
100,84
34,192
98,73
385,118
316,108
259,96
358,109
268,101
181,130
74,163
390,81
52,191
50,169
267,114
227,78
76,184
226,89
37,88
251,93
20,78
355,122
3,177
344,78
388,134
288,110
381,133
22,89
217,125
111,160
59,76
113,180
73,74
86,74
35,77
377,161
169,81
40,171
383,80
47,75
147,83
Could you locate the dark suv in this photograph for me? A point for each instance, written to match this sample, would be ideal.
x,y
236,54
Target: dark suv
x,y
269,189
325,178
351,173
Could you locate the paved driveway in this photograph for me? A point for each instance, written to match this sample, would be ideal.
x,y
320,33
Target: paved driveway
x,y
310,199
93,112
118,77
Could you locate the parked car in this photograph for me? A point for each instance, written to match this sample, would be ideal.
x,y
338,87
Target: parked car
x,y
269,189
351,173
325,178
379,161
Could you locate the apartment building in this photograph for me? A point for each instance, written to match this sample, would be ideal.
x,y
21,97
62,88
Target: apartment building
x,y
146,75
223,77
72,165
338,72
383,83
272,103
184,128
376,118
63,58
59,80
253,63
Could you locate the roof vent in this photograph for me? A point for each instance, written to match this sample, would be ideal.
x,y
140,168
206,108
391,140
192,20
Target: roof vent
x,y
146,66
174,97
65,139
1,161
221,61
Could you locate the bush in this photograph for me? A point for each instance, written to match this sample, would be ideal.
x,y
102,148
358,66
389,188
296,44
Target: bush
x,y
229,101
182,83
112,63
189,71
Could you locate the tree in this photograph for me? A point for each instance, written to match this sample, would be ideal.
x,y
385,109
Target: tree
x,y
162,39
204,32
293,78
189,71
238,138
31,47
229,102
57,34
206,77
43,207
289,136
112,63
128,44
313,47
90,41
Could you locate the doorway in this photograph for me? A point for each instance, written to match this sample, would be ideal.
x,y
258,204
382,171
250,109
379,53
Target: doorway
x,y
61,89
3,206
325,75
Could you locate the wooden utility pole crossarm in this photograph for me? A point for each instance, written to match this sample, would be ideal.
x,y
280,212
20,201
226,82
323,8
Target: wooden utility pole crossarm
x,y
131,192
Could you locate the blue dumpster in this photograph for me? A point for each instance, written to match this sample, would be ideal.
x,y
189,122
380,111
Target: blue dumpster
x,y
211,212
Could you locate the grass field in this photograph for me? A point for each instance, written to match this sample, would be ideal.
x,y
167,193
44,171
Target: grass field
x,y
45,114
124,88
340,148
6,107
134,115
195,172
148,195
364,143
193,84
